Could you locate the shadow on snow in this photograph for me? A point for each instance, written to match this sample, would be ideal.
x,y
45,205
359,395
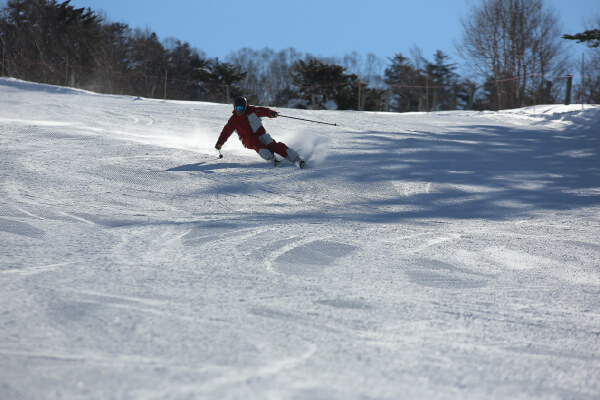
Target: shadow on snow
x,y
508,173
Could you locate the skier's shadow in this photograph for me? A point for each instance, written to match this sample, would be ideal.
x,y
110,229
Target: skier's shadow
x,y
209,168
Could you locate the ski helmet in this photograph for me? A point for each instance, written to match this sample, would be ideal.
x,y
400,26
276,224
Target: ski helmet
x,y
240,103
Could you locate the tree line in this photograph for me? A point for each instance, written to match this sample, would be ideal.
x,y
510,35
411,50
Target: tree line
x,y
513,46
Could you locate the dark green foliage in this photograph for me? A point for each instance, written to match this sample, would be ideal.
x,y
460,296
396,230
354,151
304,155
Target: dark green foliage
x,y
182,66
219,81
402,76
321,85
314,78
443,80
39,35
53,42
591,37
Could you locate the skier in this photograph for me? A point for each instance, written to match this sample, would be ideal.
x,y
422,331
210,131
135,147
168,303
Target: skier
x,y
246,120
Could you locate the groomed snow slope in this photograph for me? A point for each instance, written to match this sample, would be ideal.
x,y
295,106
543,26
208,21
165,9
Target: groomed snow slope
x,y
440,256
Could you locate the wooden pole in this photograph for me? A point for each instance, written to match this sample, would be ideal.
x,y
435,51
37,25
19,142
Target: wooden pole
x,y
359,89
166,77
582,78
454,90
3,56
268,102
427,92
388,100
472,88
568,93
498,96
67,71
533,93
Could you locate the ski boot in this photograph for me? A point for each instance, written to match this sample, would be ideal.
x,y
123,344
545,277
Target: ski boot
x,y
299,162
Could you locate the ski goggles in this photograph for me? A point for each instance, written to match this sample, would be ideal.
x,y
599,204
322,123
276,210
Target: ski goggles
x,y
240,108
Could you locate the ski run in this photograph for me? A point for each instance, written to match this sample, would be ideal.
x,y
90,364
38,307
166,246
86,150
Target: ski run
x,y
442,255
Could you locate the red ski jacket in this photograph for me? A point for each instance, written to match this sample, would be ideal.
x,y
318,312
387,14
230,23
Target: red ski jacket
x,y
248,126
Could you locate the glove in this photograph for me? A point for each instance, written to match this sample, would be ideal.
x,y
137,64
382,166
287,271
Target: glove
x,y
274,114
218,146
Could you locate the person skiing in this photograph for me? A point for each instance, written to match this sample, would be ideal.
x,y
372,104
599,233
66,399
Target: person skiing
x,y
246,120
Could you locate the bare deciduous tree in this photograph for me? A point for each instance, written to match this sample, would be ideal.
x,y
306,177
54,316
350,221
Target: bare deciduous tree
x,y
514,43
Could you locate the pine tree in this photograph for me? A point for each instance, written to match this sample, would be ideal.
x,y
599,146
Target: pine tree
x,y
318,82
442,79
183,61
591,37
220,81
40,38
148,61
402,77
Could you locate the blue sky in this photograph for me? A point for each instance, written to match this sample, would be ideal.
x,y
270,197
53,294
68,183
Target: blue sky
x,y
322,28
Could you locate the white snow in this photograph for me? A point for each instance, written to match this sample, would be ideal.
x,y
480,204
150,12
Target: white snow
x,y
440,256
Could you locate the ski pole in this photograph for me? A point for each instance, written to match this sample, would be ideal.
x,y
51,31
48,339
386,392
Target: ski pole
x,y
309,120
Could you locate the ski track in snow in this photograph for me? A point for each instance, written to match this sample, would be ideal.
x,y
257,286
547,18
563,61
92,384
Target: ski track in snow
x,y
443,255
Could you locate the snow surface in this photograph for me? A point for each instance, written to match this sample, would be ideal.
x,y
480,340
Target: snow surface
x,y
441,256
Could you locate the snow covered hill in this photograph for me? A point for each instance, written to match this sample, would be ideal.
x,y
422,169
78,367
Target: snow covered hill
x,y
441,256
